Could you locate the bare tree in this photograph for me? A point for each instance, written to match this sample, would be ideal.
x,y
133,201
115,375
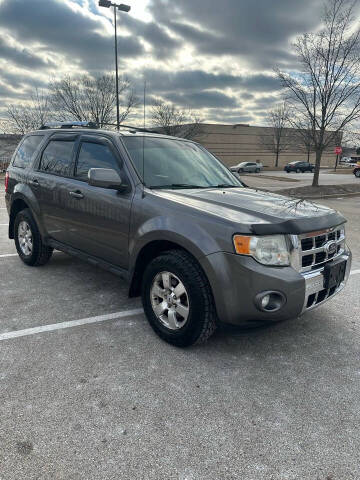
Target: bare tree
x,y
325,93
88,98
276,139
303,140
30,116
175,122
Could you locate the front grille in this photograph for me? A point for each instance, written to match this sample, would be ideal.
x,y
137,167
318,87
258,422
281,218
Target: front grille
x,y
319,297
318,247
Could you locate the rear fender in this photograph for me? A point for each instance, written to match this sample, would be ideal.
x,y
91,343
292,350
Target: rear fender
x,y
23,192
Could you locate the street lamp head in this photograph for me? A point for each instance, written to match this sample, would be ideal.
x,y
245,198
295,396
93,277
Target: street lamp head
x,y
105,3
124,8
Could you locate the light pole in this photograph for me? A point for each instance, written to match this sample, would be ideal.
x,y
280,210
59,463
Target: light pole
x,y
122,8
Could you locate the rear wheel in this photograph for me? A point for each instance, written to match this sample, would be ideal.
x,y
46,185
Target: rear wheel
x,y
298,170
177,299
257,170
357,173
28,241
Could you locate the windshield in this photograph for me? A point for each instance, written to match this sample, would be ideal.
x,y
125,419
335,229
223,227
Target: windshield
x,y
177,164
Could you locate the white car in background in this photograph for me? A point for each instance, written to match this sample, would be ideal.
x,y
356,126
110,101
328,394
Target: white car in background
x,y
250,167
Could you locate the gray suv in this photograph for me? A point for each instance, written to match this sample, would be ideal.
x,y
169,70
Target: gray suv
x,y
166,215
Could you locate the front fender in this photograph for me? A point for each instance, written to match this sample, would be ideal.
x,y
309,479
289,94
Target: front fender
x,y
188,235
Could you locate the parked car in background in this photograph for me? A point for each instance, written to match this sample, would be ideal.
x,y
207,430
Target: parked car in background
x,y
299,167
356,171
348,161
250,167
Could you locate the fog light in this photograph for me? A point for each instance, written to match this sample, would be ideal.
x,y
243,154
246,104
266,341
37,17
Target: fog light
x,y
270,301
265,301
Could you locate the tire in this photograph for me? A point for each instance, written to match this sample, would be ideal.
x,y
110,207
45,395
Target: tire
x,y
28,241
357,173
240,170
298,170
257,170
197,299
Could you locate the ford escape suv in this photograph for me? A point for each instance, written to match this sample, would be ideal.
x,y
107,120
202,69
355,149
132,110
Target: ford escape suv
x,y
165,214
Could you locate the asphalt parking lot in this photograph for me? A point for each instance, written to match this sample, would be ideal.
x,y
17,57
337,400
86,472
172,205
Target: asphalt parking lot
x,y
87,391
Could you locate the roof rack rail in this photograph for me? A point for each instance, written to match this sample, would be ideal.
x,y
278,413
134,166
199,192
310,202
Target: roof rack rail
x,y
69,124
130,127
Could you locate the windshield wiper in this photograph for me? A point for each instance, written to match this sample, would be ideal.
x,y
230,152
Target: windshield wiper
x,y
178,185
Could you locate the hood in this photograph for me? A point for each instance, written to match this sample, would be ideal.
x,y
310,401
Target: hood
x,y
259,212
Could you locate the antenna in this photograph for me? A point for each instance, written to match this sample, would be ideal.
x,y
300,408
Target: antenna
x,y
143,138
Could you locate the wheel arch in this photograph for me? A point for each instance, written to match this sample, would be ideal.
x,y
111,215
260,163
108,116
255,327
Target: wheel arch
x,y
153,249
17,206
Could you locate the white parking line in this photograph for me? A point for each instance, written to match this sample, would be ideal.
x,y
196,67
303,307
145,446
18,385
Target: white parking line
x,y
8,255
82,321
72,323
4,224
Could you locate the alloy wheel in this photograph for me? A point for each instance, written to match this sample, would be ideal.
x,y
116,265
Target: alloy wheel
x,y
169,300
25,238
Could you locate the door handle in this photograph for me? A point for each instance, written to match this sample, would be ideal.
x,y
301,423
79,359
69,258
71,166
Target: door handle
x,y
76,194
34,182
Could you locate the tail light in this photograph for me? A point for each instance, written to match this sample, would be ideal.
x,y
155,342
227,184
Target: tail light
x,y
6,181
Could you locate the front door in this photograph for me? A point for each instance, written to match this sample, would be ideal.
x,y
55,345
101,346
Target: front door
x,y
98,218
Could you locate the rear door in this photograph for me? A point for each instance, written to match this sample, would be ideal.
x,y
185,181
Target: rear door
x,y
98,218
49,183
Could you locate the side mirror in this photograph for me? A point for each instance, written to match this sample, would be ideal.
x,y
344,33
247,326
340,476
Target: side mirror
x,y
105,178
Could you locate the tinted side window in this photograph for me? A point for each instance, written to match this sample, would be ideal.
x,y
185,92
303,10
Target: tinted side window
x,y
24,154
56,157
94,155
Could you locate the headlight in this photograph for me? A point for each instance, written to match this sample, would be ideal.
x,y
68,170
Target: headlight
x,y
268,250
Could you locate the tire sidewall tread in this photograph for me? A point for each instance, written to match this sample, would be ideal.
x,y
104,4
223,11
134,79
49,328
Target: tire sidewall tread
x,y
202,317
41,253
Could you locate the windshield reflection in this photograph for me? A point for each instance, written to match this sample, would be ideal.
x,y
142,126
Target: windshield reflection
x,y
177,164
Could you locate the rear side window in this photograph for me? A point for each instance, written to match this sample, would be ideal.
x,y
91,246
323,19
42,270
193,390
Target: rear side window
x,y
94,155
57,157
26,150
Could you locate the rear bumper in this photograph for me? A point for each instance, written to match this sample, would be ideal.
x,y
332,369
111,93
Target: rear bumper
x,y
237,280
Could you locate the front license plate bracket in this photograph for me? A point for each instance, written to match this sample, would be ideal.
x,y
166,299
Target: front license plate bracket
x,y
334,273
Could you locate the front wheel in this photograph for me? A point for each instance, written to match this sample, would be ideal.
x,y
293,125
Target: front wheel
x,y
177,299
298,170
28,241
257,170
357,173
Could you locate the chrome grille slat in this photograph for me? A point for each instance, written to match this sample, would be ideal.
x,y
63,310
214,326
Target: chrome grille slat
x,y
318,254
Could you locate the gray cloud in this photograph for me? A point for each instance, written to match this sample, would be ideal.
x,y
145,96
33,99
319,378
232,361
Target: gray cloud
x,y
21,56
198,80
228,37
256,30
73,34
202,99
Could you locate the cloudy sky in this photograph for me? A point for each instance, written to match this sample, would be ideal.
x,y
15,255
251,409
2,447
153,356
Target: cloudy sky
x,y
216,57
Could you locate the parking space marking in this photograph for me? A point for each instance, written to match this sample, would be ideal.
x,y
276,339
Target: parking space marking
x,y
3,224
8,255
69,324
354,272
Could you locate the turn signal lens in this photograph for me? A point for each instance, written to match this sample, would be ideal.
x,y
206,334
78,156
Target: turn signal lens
x,y
242,244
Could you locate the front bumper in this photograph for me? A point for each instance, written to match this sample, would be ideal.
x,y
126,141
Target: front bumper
x,y
236,280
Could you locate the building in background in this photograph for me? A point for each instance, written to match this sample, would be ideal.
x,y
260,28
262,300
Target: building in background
x,y
231,143
246,143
